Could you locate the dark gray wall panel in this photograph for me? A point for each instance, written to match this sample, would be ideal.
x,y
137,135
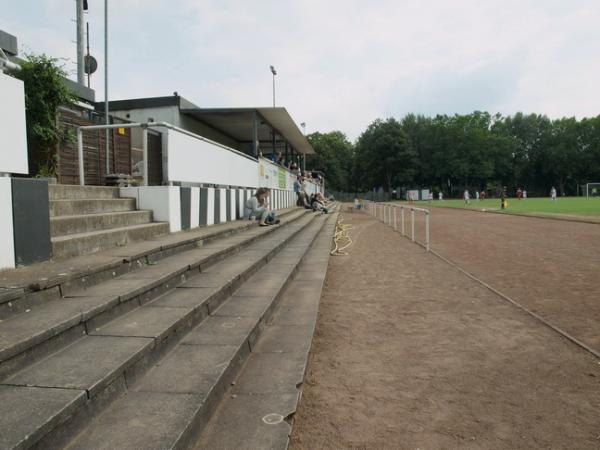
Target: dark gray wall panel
x,y
203,219
228,205
185,194
217,206
31,220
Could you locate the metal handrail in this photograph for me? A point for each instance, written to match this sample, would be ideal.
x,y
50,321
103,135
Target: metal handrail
x,y
387,213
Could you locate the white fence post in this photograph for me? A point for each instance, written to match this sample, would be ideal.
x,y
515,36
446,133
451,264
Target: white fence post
x,y
427,230
395,218
402,217
412,219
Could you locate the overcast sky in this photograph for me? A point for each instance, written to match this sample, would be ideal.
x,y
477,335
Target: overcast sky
x,y
341,63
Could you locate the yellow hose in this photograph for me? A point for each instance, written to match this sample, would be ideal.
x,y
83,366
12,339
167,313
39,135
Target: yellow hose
x,y
341,236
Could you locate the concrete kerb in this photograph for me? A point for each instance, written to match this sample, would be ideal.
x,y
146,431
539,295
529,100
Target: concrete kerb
x,y
162,344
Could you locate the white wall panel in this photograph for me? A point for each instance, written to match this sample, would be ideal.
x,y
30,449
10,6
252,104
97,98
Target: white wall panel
x,y
210,207
232,205
165,203
12,126
195,208
223,208
192,160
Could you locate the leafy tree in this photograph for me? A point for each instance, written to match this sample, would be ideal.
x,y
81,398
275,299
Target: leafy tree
x,y
385,155
334,156
45,92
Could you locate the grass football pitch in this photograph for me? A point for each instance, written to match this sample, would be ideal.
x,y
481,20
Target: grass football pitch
x,y
574,206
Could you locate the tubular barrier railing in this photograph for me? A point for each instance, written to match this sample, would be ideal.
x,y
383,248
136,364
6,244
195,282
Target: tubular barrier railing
x,y
388,214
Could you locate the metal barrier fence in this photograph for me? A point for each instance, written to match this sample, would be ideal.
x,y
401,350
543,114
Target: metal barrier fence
x,y
388,214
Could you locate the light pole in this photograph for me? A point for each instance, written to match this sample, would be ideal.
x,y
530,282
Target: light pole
x,y
106,134
274,72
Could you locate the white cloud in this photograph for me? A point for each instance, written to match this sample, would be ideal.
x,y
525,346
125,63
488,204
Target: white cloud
x,y
341,64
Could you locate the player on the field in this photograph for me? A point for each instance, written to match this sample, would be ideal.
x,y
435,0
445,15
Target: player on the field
x,y
553,194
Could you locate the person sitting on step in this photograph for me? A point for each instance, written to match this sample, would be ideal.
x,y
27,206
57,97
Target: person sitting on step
x,y
317,204
256,207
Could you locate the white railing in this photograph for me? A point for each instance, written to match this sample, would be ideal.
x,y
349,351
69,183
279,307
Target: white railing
x,y
388,214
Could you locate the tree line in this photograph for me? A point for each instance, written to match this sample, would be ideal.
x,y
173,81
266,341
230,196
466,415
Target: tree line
x,y
477,151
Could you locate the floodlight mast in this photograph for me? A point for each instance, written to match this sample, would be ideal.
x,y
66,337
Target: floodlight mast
x,y
274,72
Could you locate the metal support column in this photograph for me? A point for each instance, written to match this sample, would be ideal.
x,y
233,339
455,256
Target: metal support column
x,y
254,135
80,155
145,153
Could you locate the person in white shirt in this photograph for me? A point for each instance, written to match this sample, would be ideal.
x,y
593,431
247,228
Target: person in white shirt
x,y
467,197
440,196
553,194
477,195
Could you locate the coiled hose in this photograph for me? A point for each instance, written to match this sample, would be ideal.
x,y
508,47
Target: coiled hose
x,y
341,238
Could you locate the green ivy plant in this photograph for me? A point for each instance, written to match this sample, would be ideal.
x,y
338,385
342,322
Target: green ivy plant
x,y
45,92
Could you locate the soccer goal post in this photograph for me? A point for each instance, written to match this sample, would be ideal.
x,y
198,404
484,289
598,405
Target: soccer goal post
x,y
592,190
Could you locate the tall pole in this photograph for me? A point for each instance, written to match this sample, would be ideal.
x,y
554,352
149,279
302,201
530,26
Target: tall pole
x,y
274,72
87,37
80,43
106,135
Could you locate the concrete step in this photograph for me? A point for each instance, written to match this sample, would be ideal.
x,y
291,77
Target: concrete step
x,y
90,206
257,409
33,286
42,329
73,192
116,352
94,241
172,401
65,225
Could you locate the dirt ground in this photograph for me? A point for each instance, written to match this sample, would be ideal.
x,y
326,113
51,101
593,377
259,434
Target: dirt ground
x,y
551,267
409,353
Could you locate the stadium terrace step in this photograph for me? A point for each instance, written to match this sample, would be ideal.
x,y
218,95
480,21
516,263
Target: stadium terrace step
x,y
95,241
258,408
131,322
27,287
66,225
27,336
72,192
174,399
90,206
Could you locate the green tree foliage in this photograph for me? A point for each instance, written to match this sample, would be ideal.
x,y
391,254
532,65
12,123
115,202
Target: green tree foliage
x,y
384,155
334,156
45,92
473,151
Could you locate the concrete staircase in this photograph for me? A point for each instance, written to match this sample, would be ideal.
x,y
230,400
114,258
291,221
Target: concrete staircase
x,y
140,356
87,219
